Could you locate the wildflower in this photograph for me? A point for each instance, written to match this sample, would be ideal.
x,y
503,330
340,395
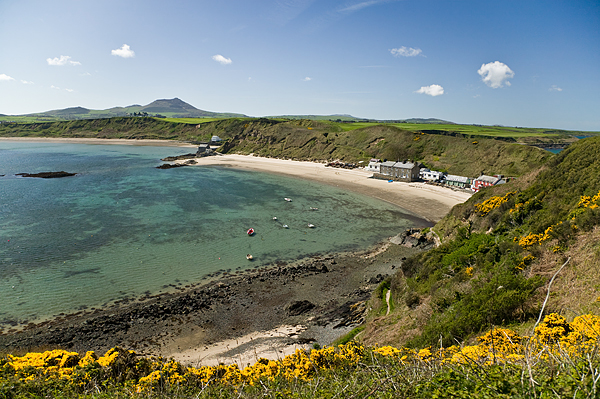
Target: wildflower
x,y
492,203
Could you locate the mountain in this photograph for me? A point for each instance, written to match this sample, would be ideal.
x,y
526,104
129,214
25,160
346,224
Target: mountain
x,y
172,108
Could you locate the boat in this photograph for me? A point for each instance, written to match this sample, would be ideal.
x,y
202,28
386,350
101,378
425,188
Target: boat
x,y
285,226
314,209
274,217
310,225
249,257
250,231
288,199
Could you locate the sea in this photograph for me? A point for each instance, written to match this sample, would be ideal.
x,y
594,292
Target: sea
x,y
121,228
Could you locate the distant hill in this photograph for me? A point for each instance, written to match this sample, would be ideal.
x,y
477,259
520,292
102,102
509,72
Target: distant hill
x,y
177,108
172,108
350,118
428,120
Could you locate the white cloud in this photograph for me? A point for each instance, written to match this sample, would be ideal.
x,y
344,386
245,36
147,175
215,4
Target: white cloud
x,y
431,90
495,74
70,90
307,79
406,52
554,88
62,60
125,51
359,6
5,78
55,87
222,60
25,82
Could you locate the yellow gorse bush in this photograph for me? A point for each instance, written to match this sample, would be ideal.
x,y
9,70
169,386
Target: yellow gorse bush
x,y
553,337
534,239
492,203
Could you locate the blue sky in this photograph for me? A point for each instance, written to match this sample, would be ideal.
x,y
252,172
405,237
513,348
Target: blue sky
x,y
515,63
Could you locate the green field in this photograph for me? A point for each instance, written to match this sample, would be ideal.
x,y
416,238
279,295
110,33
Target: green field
x,y
480,130
191,121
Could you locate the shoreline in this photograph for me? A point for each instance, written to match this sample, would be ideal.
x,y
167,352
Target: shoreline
x,y
236,317
89,140
426,201
239,316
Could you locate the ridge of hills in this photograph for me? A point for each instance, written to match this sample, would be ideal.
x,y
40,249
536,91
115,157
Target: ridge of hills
x,y
177,108
173,108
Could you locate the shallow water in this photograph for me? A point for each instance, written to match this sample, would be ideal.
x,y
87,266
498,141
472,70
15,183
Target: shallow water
x,y
122,228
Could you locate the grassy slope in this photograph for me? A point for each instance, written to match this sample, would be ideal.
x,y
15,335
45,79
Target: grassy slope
x,y
309,140
437,296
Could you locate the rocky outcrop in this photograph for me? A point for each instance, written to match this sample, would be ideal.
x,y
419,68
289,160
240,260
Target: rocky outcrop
x,y
47,175
414,238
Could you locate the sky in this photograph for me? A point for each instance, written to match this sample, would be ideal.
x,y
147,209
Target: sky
x,y
528,63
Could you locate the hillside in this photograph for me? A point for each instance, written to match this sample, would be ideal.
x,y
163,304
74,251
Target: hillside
x,y
311,140
174,108
499,251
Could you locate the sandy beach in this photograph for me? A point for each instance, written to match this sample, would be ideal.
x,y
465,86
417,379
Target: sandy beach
x,y
83,140
425,200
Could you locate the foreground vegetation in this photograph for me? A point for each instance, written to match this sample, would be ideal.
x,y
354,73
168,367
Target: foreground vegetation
x,y
560,359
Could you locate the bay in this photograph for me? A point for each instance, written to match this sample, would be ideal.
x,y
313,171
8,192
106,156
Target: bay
x,y
121,228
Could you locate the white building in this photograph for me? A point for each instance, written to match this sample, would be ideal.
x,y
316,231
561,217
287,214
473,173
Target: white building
x,y
374,166
431,175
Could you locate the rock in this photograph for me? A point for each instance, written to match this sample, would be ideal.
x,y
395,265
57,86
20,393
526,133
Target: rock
x,y
299,307
175,158
47,175
170,166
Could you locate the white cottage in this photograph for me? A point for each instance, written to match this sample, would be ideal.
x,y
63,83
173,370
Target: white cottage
x,y
374,166
431,175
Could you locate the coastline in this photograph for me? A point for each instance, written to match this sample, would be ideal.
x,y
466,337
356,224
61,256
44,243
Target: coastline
x,y
238,317
427,201
85,140
235,317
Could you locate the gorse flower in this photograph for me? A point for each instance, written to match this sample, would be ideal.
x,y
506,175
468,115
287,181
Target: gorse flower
x,y
492,203
554,338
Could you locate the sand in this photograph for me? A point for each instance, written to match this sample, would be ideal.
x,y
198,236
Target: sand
x,y
83,140
428,201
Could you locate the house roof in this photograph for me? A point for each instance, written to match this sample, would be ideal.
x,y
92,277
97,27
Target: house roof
x,y
488,179
404,165
460,179
388,163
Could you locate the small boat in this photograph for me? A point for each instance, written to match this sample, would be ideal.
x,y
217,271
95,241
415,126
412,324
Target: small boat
x,y
390,181
285,226
288,199
314,209
249,257
310,225
250,231
274,217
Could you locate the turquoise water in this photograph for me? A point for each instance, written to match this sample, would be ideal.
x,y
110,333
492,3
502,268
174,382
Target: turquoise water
x,y
122,228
